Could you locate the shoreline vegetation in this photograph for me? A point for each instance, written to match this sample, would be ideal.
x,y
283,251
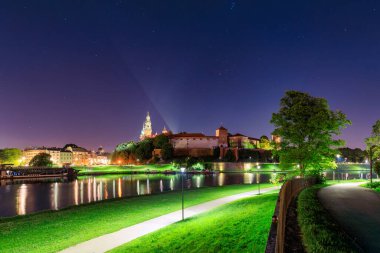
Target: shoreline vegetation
x,y
170,169
76,224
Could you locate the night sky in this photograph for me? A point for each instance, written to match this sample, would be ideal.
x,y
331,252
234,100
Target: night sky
x,y
86,72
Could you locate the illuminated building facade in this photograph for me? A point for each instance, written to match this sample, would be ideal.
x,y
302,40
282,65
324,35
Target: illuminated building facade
x,y
146,131
71,154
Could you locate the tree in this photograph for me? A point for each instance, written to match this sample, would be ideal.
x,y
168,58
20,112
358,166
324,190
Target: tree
x,y
216,152
41,160
377,167
230,157
373,145
160,140
248,145
119,157
167,151
10,156
144,149
265,143
308,129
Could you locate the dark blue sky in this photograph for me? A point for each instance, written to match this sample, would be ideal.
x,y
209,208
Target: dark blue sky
x,y
87,71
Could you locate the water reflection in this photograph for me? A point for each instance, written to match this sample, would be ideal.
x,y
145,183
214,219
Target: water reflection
x,y
28,197
22,194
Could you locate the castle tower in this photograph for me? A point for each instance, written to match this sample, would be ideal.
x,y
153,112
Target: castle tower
x,y
222,133
166,132
146,131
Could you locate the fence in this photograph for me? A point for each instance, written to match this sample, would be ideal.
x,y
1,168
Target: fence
x,y
289,191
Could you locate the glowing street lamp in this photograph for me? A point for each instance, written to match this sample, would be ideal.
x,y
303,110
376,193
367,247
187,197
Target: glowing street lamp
x,y
183,169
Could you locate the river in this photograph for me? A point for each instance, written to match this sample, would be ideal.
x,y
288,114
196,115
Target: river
x,y
20,197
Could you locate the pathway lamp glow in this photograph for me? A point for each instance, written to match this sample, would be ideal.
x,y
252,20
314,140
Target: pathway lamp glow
x,y
183,169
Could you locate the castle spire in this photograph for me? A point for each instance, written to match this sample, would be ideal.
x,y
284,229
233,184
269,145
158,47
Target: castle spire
x,y
146,131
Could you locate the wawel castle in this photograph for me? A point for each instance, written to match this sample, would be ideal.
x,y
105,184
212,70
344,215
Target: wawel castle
x,y
198,144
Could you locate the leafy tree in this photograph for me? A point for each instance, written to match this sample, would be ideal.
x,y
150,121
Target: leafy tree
x,y
229,156
265,143
373,145
307,127
216,153
127,146
119,157
131,147
167,151
352,155
10,156
377,167
248,145
41,160
144,149
160,140
189,162
249,155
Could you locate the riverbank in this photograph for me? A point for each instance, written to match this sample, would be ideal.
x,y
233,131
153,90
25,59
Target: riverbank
x,y
215,166
240,226
57,230
128,169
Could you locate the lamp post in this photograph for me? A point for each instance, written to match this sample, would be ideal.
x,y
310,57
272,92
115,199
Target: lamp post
x,y
258,179
183,211
371,162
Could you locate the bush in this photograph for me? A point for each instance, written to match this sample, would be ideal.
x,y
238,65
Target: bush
x,y
320,232
249,154
41,160
167,151
373,185
229,157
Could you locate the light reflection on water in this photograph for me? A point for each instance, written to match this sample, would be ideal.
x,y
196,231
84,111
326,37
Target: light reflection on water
x,y
24,197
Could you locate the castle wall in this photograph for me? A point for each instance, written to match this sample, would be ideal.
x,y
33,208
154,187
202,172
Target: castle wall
x,y
195,152
208,142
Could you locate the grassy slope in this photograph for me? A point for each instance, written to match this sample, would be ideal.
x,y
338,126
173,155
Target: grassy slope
x,y
241,226
55,230
320,233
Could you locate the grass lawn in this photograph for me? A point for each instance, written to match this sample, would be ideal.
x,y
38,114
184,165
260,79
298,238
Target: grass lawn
x,y
56,230
114,169
375,186
336,181
320,232
241,226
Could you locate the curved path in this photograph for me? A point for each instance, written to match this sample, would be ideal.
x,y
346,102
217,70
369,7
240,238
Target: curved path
x,y
357,210
113,240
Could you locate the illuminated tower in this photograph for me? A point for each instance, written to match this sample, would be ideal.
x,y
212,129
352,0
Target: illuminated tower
x,y
222,134
146,132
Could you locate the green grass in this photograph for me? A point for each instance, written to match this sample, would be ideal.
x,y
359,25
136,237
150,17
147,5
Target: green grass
x,y
320,232
336,181
374,186
114,169
56,230
241,226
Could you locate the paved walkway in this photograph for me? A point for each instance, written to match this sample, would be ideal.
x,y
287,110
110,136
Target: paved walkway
x,y
113,240
357,210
